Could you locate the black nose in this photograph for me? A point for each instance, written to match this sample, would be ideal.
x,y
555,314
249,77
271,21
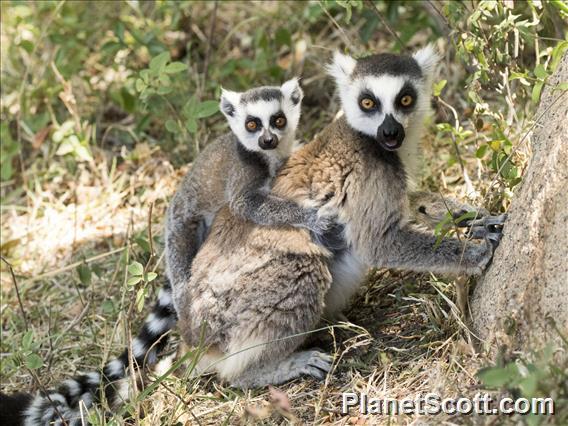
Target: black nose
x,y
268,140
390,133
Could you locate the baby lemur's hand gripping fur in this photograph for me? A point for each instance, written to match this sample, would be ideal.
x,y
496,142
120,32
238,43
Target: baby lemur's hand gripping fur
x,y
256,291
237,170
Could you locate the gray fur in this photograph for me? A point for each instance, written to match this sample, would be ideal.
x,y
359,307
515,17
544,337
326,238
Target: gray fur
x,y
267,93
388,63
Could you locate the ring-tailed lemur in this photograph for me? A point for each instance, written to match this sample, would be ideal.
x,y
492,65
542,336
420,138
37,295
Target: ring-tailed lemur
x,y
236,169
255,292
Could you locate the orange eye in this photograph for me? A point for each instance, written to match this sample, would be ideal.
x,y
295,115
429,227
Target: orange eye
x,y
280,122
367,103
406,100
251,125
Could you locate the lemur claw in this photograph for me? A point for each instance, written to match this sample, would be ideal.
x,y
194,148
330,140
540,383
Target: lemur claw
x,y
489,221
485,226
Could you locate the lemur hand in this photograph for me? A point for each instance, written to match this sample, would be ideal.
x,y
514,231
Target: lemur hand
x,y
488,227
318,224
490,230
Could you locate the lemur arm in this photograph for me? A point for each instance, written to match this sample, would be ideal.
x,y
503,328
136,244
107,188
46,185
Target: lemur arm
x,y
408,248
249,197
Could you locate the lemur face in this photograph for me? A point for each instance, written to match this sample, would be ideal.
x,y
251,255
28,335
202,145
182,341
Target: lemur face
x,y
264,118
383,95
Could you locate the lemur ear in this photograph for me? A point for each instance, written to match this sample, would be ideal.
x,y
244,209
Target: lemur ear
x,y
427,58
291,89
341,67
228,103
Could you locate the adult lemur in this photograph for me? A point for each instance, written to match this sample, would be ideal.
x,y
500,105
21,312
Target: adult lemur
x,y
255,291
236,170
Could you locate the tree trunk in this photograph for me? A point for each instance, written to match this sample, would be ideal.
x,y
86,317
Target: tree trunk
x,y
526,286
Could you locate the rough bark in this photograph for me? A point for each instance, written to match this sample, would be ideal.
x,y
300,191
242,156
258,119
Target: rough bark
x,y
527,282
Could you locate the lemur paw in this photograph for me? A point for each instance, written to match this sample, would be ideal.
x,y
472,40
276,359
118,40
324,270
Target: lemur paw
x,y
319,225
488,227
316,364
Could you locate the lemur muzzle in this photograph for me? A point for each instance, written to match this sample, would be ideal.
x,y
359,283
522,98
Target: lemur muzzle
x,y
390,133
267,140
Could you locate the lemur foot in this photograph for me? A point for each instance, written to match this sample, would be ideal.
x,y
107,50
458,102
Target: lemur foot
x,y
316,364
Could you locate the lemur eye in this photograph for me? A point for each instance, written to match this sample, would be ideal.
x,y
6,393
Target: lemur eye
x,y
280,122
367,103
406,100
251,125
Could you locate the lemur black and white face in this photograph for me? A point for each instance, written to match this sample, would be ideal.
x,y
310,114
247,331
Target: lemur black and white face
x,y
264,118
384,95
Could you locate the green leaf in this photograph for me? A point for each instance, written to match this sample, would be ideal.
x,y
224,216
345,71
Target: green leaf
x,y
175,67
143,243
438,87
537,89
6,169
480,153
33,361
191,125
84,274
158,63
497,377
164,90
135,268
150,276
165,80
561,86
540,72
119,31
207,108
27,340
134,280
190,107
107,307
528,386
283,37
27,45
172,126
145,76
140,85
128,100
140,297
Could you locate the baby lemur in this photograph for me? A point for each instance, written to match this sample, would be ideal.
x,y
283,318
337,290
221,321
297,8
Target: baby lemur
x,y
235,170
255,292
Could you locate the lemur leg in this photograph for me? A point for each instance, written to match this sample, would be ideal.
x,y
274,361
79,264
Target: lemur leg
x,y
183,241
306,363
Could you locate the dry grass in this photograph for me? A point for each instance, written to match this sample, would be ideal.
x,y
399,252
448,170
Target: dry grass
x,y
406,334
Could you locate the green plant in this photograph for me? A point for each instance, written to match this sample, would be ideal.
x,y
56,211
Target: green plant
x,y
543,376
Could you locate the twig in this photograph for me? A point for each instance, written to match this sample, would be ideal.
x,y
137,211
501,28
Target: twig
x,y
437,16
470,190
150,238
25,318
209,43
46,395
346,38
73,265
385,23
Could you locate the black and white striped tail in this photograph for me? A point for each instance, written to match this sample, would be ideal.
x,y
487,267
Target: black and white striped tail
x,y
63,406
